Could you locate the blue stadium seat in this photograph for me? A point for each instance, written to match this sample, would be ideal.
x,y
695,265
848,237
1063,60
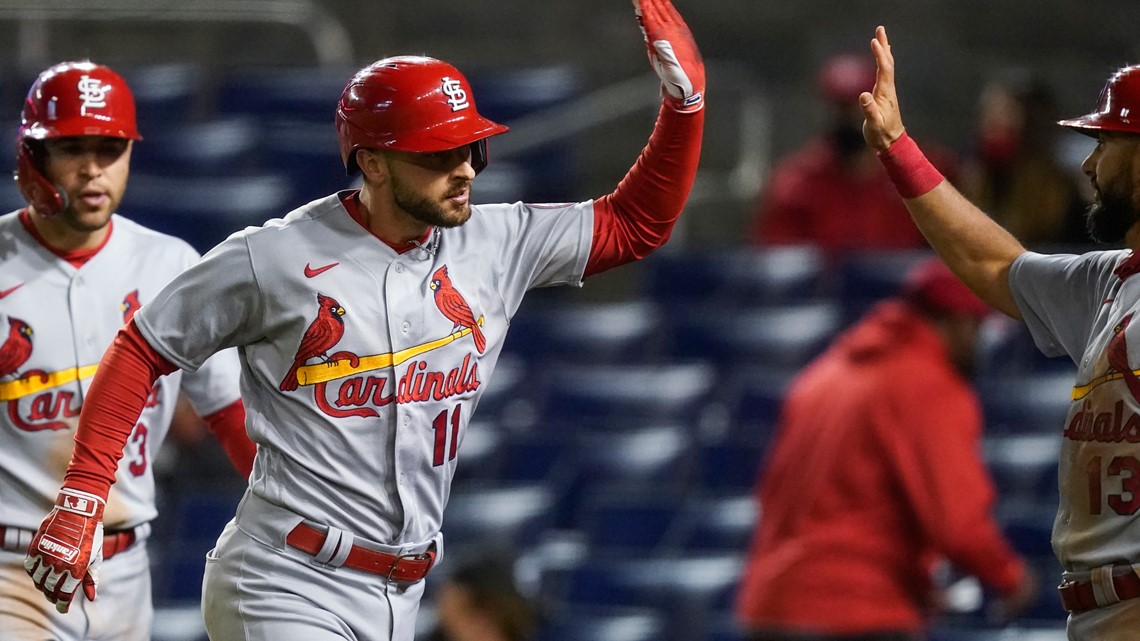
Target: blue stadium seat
x,y
545,456
1006,347
755,398
616,624
638,521
736,279
204,211
623,332
304,93
658,457
626,394
167,94
194,521
784,336
308,153
653,459
716,522
729,465
480,453
515,514
224,147
1025,403
1024,466
865,277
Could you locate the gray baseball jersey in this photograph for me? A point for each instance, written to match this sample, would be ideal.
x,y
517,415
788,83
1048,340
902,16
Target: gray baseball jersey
x,y
361,367
1079,306
61,320
57,321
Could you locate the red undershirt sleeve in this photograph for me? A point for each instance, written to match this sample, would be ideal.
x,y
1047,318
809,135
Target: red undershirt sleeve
x,y
117,396
639,215
228,426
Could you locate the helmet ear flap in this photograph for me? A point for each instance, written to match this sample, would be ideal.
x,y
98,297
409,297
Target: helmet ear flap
x,y
35,187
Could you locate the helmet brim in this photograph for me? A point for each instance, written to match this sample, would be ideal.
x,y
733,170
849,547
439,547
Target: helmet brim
x,y
1092,124
448,135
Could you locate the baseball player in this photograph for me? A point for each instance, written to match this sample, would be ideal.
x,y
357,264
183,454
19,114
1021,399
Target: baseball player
x,y
369,323
71,274
1079,306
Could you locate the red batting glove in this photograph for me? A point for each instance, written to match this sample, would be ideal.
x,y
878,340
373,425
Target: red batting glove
x,y
673,54
68,548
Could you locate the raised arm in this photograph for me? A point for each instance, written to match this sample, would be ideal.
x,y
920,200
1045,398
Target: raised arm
x,y
973,246
639,215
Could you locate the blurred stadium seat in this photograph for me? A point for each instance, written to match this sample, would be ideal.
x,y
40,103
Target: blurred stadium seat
x,y
308,153
1024,466
608,624
626,394
516,514
736,279
1026,403
222,147
268,93
620,332
865,277
634,521
204,211
167,94
776,336
711,522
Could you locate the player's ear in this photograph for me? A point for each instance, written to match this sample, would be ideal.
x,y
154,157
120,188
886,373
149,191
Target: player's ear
x,y
373,165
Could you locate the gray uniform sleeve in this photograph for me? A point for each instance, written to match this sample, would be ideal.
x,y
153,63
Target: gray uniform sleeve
x,y
542,245
1059,296
211,306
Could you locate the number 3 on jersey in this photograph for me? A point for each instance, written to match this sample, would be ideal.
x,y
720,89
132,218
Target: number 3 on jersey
x,y
446,435
1127,468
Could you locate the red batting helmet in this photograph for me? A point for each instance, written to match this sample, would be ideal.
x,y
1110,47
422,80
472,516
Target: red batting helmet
x,y
411,103
69,99
1118,108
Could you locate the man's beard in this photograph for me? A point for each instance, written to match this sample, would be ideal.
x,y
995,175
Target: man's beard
x,y
423,209
1110,218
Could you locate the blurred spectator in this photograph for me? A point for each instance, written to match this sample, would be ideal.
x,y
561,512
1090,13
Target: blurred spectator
x,y
1014,173
480,601
875,478
833,192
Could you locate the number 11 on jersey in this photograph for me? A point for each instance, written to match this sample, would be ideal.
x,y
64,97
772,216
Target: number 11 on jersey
x,y
446,440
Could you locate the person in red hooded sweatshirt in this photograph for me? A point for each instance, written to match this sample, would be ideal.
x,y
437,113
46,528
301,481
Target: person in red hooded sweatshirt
x,y
875,476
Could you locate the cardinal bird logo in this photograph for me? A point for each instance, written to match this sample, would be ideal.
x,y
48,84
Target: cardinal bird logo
x,y
1117,353
17,348
324,332
451,303
129,306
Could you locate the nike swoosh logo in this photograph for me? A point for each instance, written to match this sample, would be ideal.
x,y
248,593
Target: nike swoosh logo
x,y
5,292
310,272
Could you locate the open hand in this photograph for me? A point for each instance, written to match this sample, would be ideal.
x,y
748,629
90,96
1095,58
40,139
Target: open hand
x,y
883,124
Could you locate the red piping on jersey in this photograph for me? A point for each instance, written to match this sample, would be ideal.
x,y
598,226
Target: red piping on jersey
x,y
77,257
351,202
117,396
1130,266
639,215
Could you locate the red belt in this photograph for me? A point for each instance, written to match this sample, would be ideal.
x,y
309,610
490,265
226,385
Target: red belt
x,y
1078,596
412,567
113,542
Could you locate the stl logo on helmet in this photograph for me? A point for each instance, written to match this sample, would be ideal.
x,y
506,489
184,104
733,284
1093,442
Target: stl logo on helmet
x,y
93,93
456,96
